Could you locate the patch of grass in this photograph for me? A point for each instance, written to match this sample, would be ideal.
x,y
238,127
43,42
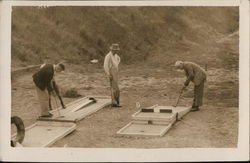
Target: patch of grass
x,y
71,93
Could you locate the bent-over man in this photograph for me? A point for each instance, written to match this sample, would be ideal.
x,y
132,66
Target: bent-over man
x,y
197,75
111,63
44,80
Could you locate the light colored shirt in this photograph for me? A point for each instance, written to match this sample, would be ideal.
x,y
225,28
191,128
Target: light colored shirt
x,y
42,65
111,61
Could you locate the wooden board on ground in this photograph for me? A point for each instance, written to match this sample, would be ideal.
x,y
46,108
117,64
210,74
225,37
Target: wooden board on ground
x,y
153,116
77,110
44,134
137,129
154,121
181,110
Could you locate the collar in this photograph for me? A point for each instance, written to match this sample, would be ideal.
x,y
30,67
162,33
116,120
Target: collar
x,y
113,53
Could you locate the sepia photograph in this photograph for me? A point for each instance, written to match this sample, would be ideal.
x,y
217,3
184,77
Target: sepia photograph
x,y
123,76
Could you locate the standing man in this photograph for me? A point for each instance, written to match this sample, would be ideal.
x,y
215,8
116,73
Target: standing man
x,y
44,80
111,63
197,75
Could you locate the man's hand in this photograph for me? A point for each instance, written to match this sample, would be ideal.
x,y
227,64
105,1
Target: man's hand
x,y
184,87
53,93
50,107
186,83
63,106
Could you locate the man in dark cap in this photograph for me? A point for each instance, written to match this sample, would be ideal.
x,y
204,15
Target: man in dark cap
x,y
197,75
46,85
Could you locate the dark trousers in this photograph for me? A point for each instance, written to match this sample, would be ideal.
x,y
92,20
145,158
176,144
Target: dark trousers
x,y
198,94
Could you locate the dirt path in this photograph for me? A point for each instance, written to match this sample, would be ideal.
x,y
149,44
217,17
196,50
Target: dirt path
x,y
216,125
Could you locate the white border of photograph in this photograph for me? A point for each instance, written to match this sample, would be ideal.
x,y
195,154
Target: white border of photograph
x,y
123,154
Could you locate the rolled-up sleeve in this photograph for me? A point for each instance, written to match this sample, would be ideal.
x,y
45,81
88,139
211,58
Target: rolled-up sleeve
x,y
190,74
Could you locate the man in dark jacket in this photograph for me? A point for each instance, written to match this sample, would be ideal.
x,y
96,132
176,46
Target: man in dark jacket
x,y
44,80
197,75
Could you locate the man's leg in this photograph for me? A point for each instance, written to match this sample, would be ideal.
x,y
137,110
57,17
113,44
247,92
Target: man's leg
x,y
44,101
198,96
112,91
115,87
116,92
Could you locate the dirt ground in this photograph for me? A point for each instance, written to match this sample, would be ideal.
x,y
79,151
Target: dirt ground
x,y
214,126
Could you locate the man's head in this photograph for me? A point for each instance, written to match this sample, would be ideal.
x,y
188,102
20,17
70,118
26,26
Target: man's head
x,y
59,67
179,65
115,48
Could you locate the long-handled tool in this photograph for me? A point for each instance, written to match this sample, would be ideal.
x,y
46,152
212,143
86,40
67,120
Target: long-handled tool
x,y
178,99
58,94
57,108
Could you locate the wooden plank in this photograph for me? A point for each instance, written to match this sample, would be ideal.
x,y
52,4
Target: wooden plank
x,y
70,106
151,122
44,134
76,116
70,115
153,116
155,123
181,110
135,129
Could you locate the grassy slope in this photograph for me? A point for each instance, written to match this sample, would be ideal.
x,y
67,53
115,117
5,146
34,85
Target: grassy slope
x,y
150,34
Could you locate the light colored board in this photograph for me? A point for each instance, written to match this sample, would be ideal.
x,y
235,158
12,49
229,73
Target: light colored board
x,y
71,105
76,116
82,105
69,115
154,116
155,122
181,110
44,134
135,129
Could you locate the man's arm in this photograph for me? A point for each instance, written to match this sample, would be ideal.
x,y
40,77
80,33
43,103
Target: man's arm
x,y
49,87
46,73
190,73
55,87
119,59
57,92
106,64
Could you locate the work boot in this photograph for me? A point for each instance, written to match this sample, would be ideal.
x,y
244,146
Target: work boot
x,y
195,108
115,105
46,115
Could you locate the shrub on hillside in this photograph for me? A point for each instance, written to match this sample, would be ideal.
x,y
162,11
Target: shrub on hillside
x,y
71,93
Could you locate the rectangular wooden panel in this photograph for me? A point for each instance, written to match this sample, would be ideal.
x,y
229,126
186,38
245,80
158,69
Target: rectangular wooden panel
x,y
137,129
181,110
77,110
44,134
154,116
156,122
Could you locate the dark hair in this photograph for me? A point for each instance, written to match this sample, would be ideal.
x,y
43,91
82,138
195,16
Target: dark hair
x,y
62,66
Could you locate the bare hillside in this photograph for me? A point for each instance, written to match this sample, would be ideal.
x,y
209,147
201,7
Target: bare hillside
x,y
148,34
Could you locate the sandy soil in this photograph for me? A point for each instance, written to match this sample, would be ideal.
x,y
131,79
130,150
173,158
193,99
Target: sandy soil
x,y
215,125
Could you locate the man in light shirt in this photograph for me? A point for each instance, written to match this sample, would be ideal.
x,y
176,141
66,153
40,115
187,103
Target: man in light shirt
x,y
111,63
